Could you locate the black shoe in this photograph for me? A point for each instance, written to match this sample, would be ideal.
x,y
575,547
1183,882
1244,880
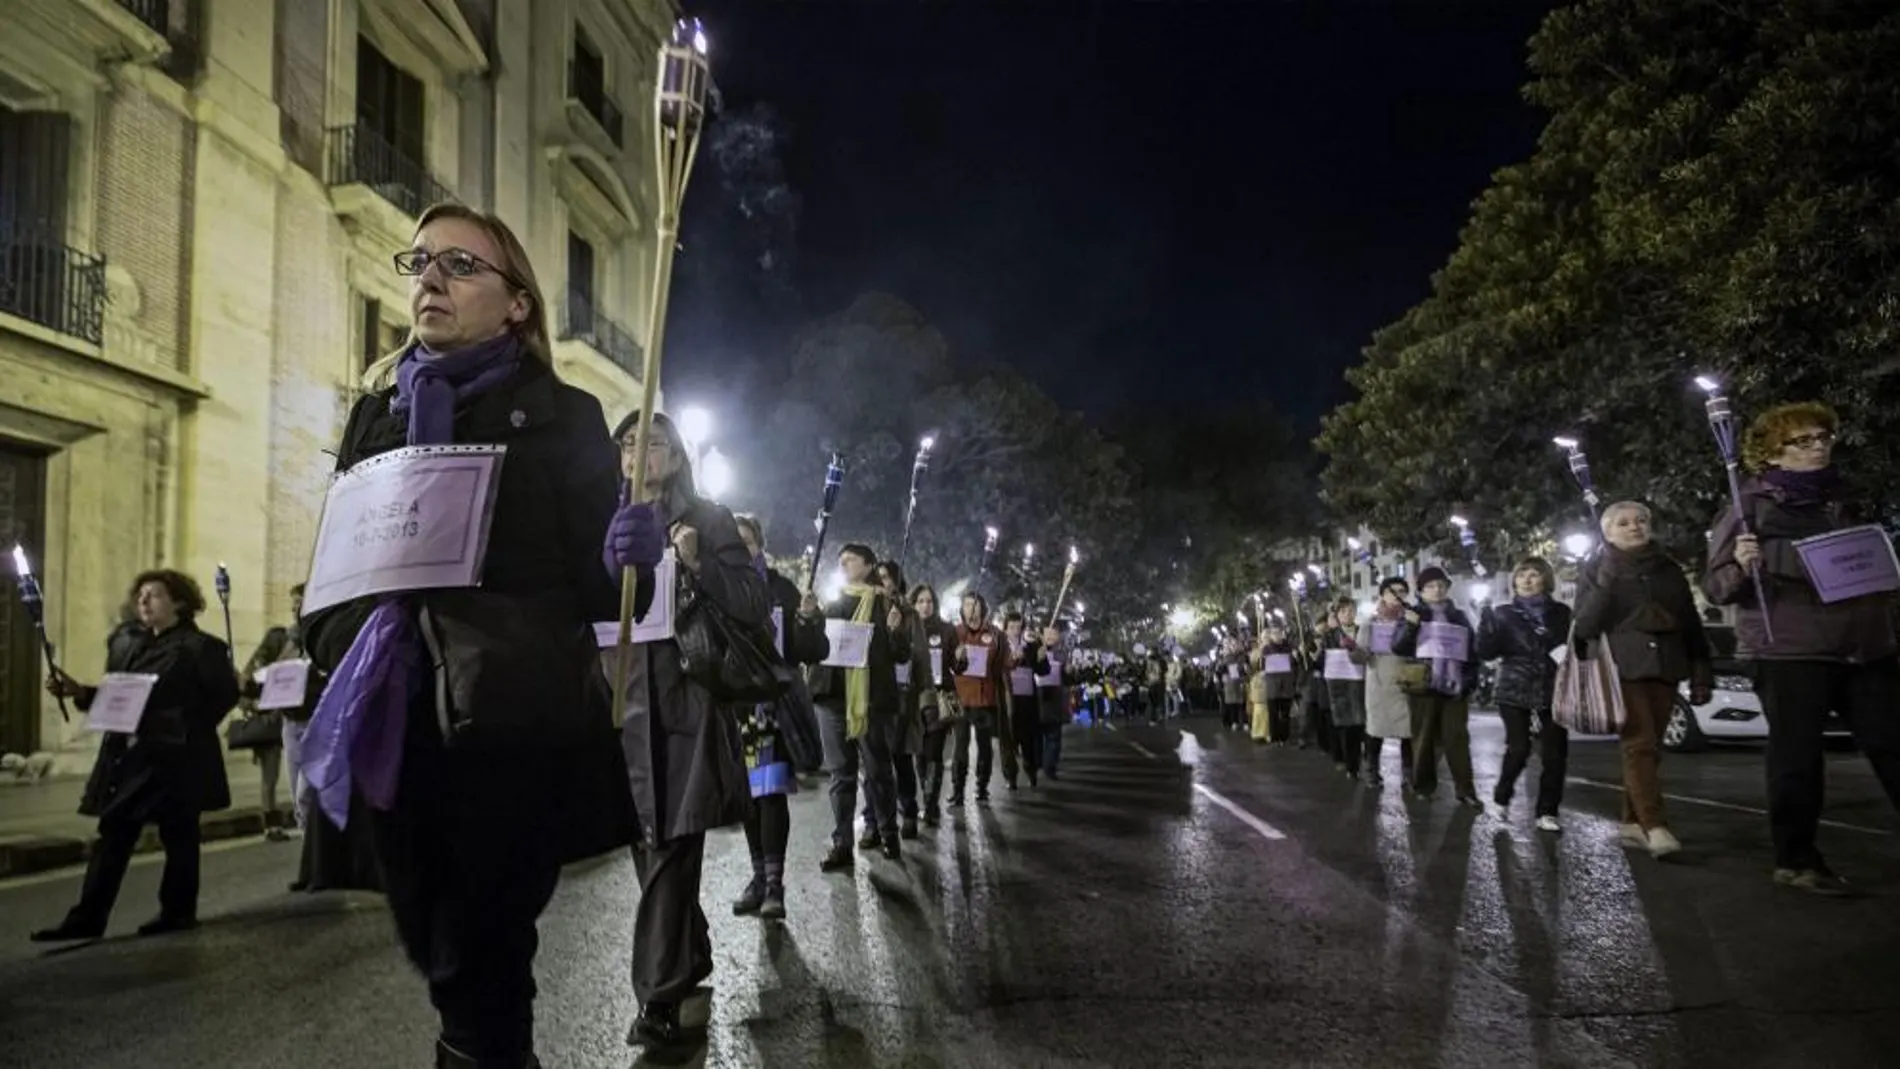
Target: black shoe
x,y
1501,798
837,859
983,796
773,907
447,1057
68,932
162,925
1051,774
749,902
1032,777
1012,784
909,830
869,840
299,886
931,816
657,1026
955,802
893,848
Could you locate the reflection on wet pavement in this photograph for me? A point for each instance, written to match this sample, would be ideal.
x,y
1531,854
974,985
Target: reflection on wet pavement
x,y
1140,912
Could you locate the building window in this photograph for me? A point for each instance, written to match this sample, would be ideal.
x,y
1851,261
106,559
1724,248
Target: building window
x,y
580,280
379,336
389,103
587,84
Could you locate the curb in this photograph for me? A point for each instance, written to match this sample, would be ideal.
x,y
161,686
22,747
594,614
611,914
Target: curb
x,y
27,855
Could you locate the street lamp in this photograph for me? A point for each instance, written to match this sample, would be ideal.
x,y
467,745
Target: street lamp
x,y
696,426
1579,544
715,474
679,112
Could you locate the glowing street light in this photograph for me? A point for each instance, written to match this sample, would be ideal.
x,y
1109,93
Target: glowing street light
x,y
1460,522
715,474
696,426
1182,618
1579,544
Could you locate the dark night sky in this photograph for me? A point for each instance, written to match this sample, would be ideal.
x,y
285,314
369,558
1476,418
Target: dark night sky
x,y
1191,201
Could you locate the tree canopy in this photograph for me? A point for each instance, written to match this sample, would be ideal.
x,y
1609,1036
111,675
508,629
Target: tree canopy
x,y
1717,191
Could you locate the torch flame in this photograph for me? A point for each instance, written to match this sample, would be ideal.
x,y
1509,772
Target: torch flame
x,y
1565,443
1707,384
21,566
1074,557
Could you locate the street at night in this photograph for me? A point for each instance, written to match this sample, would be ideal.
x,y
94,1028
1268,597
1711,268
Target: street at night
x,y
1181,896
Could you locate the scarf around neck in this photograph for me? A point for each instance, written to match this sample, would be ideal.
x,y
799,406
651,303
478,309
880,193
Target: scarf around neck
x,y
1804,487
857,681
355,736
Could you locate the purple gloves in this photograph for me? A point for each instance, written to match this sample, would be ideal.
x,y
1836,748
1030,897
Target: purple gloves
x,y
635,539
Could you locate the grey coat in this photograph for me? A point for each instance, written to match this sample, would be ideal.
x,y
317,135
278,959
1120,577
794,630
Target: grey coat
x,y
1388,712
685,765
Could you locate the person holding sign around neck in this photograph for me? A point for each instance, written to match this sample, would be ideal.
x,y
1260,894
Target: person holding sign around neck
x,y
1027,660
938,699
161,764
907,729
982,667
858,699
1054,678
1274,686
471,719
1831,577
1432,631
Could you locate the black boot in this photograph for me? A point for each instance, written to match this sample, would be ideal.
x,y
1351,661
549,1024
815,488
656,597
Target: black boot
x,y
773,906
657,1026
68,930
447,1057
751,899
838,859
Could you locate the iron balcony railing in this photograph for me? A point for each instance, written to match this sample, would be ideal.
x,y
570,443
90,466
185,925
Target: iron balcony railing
x,y
593,99
61,289
153,13
355,154
580,321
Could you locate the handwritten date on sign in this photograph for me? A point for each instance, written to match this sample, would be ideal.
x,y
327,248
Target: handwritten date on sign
x,y
391,521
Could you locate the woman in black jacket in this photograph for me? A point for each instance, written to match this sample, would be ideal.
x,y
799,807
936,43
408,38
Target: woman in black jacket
x,y
769,766
1637,601
937,699
169,771
493,760
1522,633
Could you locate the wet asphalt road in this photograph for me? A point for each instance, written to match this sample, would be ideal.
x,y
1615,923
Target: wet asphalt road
x,y
1176,900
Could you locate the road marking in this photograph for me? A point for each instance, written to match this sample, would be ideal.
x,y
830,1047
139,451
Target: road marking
x,y
139,861
1143,750
1731,806
1266,830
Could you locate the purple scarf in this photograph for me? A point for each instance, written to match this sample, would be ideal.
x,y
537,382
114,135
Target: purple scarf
x,y
1804,487
355,736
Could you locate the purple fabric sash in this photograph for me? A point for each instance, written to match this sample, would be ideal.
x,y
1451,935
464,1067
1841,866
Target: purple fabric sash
x,y
355,736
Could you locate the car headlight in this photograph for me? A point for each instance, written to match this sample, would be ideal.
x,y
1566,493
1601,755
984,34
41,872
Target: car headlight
x,y
1739,684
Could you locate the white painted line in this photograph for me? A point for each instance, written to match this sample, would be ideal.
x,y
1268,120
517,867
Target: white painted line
x,y
1266,830
1732,807
1143,750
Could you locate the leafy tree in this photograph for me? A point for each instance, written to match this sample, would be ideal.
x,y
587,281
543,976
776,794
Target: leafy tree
x,y
1715,190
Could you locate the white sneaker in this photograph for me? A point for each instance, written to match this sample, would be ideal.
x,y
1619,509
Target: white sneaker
x,y
1633,836
1662,844
1550,825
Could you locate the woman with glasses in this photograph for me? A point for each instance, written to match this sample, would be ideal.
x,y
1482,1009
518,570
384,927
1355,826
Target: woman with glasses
x,y
1828,653
475,720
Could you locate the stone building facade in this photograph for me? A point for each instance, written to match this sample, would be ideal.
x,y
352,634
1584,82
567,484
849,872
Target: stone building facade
x,y
198,204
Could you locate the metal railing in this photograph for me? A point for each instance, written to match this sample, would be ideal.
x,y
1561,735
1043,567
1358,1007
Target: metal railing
x,y
60,288
593,99
153,13
355,154
580,321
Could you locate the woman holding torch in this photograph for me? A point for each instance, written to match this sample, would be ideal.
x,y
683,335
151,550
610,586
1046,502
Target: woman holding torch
x,y
1833,646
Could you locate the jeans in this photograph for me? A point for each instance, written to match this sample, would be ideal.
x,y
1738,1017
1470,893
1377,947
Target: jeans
x,y
1796,696
1051,748
843,757
1554,751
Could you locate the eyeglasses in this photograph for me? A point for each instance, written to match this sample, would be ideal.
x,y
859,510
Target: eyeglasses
x,y
456,263
1816,440
656,445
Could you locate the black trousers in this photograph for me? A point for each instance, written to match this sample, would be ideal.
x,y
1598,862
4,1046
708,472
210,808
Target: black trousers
x,y
1796,696
930,769
980,723
1233,715
112,854
1026,725
1553,755
468,868
672,943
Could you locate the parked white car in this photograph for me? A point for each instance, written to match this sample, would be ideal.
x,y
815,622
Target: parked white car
x,y
1733,712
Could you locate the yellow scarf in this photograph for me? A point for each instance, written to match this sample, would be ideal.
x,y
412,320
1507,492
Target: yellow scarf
x,y
857,681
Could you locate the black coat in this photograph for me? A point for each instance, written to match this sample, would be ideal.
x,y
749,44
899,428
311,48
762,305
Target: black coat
x,y
1511,634
1405,640
519,665
1643,608
888,647
177,763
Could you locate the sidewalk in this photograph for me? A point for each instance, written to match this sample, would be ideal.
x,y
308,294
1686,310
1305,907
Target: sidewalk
x,y
41,829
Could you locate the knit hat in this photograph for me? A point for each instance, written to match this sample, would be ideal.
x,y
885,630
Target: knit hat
x,y
1391,581
1433,574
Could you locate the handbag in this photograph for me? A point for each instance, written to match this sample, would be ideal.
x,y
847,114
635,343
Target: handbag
x,y
1589,696
1415,677
733,660
258,731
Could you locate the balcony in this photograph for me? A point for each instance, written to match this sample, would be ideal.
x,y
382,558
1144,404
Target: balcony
x,y
582,322
592,116
374,187
97,31
61,289
153,13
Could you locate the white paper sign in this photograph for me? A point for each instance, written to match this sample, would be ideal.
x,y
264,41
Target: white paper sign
x,y
978,661
1054,678
410,519
1233,671
658,624
1339,666
1277,664
120,702
778,630
1850,563
1442,641
284,685
903,674
1022,681
850,644
936,665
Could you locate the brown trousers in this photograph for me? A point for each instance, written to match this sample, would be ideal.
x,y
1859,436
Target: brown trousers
x,y
1646,707
1441,724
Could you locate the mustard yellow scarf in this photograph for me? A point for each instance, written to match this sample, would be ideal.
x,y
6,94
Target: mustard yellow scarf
x,y
857,681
